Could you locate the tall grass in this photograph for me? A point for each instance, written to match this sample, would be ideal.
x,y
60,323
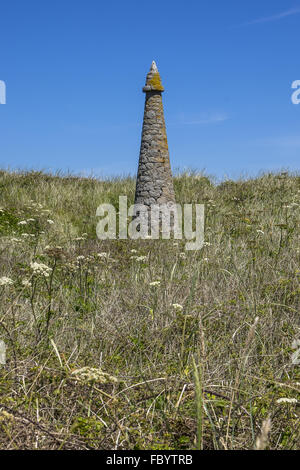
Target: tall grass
x,y
99,357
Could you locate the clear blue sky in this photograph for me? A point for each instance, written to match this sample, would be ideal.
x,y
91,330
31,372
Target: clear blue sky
x,y
74,71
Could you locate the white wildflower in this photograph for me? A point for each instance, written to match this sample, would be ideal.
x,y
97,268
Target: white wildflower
x,y
80,258
50,221
16,240
6,281
260,231
139,258
40,268
102,255
22,222
287,400
91,374
26,283
133,251
154,283
177,307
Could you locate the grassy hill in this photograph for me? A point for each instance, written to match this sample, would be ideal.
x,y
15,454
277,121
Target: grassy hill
x,y
99,357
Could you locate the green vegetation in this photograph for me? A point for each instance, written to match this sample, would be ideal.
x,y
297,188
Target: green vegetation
x,y
139,344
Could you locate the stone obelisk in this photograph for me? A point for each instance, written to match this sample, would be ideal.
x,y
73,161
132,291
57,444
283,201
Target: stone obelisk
x,y
154,179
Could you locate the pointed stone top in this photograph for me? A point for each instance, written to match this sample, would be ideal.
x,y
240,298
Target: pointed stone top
x,y
153,81
153,67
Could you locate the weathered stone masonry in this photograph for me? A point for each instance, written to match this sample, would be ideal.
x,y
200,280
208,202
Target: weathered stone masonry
x,y
154,179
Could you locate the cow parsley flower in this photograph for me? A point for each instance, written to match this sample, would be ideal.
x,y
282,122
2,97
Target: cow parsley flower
x,y
6,281
139,258
177,307
287,400
91,374
154,283
40,268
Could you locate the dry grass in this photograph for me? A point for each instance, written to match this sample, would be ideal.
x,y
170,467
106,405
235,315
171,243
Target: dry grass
x,y
98,358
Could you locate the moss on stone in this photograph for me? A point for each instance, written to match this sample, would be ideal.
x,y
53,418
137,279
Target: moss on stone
x,y
155,82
